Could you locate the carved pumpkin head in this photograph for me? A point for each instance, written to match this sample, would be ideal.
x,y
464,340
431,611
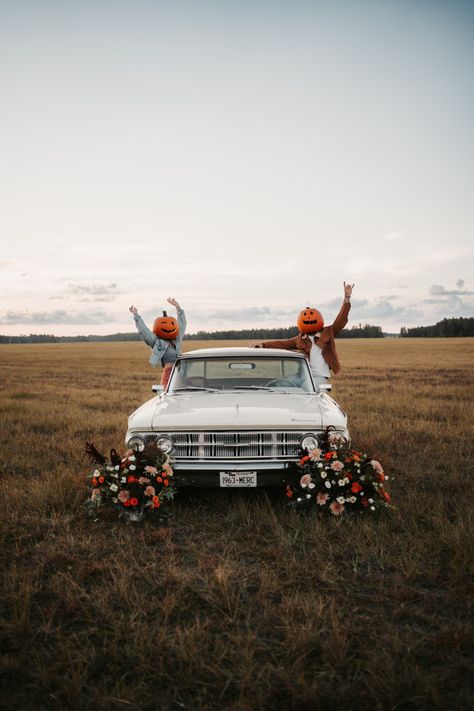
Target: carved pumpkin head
x,y
166,327
310,320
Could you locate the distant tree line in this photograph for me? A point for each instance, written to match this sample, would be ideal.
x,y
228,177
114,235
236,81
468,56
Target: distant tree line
x,y
446,328
267,334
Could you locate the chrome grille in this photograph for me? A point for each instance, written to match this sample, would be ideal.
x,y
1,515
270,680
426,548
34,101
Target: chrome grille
x,y
233,445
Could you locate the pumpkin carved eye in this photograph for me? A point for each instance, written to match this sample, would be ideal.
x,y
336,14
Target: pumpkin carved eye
x,y
166,327
310,320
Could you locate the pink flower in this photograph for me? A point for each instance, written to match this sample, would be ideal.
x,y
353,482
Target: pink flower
x,y
336,508
149,491
337,466
143,480
322,498
315,454
305,480
377,466
123,496
151,470
167,469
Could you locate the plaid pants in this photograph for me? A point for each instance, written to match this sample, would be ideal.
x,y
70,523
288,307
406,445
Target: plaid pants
x,y
165,375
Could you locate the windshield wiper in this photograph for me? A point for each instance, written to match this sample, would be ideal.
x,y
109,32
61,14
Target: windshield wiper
x,y
253,387
195,387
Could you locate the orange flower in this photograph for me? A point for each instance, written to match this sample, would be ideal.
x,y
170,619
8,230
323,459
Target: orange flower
x,y
156,502
101,479
385,495
131,479
159,479
133,502
166,482
95,482
355,487
304,459
289,493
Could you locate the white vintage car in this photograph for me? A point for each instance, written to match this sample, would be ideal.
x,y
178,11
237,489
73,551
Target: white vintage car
x,y
236,417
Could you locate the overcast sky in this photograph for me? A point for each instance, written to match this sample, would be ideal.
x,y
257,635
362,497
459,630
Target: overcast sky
x,y
245,157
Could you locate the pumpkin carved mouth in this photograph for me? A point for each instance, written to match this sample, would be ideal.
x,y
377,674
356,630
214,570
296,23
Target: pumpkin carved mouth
x,y
308,323
168,330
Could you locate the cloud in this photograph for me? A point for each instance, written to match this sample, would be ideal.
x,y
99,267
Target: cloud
x,y
449,303
93,292
438,290
362,309
251,313
393,236
40,318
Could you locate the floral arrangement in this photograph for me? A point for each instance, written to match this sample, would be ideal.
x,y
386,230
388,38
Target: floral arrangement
x,y
338,479
138,483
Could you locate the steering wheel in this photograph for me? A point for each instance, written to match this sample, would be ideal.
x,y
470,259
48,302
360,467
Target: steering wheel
x,y
279,382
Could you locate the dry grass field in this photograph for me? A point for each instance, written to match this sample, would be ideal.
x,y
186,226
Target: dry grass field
x,y
234,601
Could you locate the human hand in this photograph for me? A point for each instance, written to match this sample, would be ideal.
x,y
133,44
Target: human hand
x,y
348,290
133,310
173,302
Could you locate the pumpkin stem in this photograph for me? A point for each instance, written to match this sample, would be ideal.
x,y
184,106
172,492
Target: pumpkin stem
x,y
164,313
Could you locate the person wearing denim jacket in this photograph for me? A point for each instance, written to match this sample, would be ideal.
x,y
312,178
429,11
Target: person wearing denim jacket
x,y
163,352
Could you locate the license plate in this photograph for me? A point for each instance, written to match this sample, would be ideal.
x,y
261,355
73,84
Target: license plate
x,y
229,479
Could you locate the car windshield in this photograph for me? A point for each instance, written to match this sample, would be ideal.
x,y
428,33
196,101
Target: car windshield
x,y
245,373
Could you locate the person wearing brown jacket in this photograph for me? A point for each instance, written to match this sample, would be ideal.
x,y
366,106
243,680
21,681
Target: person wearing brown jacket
x,y
319,346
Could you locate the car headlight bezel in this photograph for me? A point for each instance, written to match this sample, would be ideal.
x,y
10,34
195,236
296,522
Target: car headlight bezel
x,y
309,441
136,442
165,443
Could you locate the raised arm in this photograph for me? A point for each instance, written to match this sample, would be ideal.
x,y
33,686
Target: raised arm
x,y
342,317
147,335
180,315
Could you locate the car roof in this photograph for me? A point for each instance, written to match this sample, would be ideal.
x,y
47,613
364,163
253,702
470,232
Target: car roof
x,y
246,352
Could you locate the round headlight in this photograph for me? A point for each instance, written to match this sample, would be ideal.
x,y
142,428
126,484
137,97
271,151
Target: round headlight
x,y
136,442
309,442
165,443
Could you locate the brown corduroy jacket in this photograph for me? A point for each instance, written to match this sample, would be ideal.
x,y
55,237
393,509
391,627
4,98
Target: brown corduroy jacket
x,y
326,341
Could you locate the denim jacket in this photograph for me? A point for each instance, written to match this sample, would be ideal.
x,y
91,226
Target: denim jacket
x,y
159,345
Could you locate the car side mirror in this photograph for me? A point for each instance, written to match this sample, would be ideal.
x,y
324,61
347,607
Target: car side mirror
x,y
324,386
157,388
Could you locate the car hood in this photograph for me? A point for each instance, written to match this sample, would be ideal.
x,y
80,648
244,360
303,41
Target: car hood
x,y
242,410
